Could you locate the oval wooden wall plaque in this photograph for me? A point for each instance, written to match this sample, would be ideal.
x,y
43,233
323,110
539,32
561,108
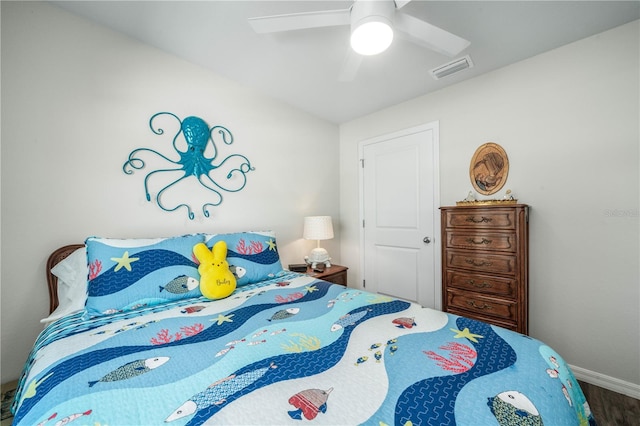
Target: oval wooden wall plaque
x,y
489,168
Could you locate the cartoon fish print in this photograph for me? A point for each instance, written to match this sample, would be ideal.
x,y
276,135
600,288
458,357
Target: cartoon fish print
x,y
284,313
256,342
235,342
238,271
404,322
224,351
375,346
259,333
393,349
361,360
192,309
276,332
391,341
378,356
347,320
512,407
218,392
51,417
132,369
309,403
71,418
181,284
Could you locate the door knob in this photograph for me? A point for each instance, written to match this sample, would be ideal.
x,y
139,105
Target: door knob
x,y
426,240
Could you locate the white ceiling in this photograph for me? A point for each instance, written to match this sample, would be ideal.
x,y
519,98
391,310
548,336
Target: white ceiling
x,y
302,67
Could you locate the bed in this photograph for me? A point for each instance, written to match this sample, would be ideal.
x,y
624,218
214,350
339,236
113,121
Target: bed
x,y
284,348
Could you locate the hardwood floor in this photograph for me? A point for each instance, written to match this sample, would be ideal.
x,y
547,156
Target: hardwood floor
x,y
611,408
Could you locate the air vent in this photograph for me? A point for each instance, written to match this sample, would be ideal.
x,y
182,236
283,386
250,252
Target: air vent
x,y
451,67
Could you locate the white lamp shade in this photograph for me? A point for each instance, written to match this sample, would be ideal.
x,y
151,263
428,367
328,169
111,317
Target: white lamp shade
x,y
318,228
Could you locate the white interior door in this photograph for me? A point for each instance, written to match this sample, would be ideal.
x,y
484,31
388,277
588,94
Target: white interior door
x,y
399,198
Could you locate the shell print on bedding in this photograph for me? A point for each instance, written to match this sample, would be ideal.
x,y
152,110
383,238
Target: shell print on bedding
x,y
132,369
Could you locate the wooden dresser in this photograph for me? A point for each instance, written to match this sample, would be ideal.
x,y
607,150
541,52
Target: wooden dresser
x,y
485,261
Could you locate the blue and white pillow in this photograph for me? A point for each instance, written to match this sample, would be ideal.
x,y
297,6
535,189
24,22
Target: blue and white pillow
x,y
126,274
252,256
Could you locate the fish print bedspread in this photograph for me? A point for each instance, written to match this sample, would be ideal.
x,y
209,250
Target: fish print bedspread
x,y
291,350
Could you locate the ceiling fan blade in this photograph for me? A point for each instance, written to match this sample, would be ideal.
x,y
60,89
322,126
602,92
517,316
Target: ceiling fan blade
x,y
429,36
300,21
350,66
401,3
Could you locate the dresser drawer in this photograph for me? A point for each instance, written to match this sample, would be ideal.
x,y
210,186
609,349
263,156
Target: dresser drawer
x,y
482,262
509,325
478,304
490,285
494,218
504,241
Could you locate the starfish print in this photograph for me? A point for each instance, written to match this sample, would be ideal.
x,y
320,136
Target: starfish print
x,y
124,261
311,288
378,298
272,244
223,318
466,333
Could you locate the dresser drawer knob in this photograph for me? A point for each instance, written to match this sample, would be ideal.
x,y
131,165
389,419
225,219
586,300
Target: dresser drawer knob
x,y
474,263
472,303
483,284
482,219
483,241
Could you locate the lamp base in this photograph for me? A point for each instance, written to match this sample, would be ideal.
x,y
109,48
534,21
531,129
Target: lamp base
x,y
318,255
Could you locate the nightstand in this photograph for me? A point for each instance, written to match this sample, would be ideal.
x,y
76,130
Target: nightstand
x,y
334,274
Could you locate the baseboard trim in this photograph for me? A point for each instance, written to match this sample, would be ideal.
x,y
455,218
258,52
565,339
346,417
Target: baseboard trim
x,y
607,382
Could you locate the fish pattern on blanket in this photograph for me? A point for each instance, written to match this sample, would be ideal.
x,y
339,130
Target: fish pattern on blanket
x,y
262,352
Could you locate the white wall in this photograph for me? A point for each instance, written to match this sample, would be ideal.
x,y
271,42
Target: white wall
x,y
76,99
569,122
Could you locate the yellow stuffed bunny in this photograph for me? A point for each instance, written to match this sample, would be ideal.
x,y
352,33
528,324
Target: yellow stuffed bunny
x,y
216,280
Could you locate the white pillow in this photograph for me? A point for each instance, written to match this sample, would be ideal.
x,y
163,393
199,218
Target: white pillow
x,y
72,285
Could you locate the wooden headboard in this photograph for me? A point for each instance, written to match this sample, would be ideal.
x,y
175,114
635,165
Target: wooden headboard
x,y
52,281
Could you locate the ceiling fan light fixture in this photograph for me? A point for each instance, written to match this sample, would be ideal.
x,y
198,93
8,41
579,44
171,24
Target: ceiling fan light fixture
x,y
372,37
371,26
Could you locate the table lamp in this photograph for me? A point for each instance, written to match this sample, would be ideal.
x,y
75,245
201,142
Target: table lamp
x,y
318,228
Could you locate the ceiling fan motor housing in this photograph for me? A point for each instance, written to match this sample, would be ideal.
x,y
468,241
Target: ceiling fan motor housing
x,y
372,26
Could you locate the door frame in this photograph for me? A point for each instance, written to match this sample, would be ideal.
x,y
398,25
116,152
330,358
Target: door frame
x,y
434,126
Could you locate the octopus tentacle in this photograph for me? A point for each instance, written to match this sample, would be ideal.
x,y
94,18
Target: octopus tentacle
x,y
146,182
160,131
138,163
159,197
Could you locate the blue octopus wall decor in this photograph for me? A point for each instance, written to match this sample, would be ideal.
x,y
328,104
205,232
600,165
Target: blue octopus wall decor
x,y
194,162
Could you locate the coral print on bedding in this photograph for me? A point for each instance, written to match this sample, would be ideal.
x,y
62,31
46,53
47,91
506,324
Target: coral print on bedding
x,y
252,256
127,274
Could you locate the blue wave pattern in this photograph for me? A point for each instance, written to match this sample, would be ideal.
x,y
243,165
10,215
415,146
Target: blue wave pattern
x,y
271,315
432,401
112,281
129,274
256,253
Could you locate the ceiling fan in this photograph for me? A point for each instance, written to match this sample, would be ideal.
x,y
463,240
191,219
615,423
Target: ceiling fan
x,y
382,17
